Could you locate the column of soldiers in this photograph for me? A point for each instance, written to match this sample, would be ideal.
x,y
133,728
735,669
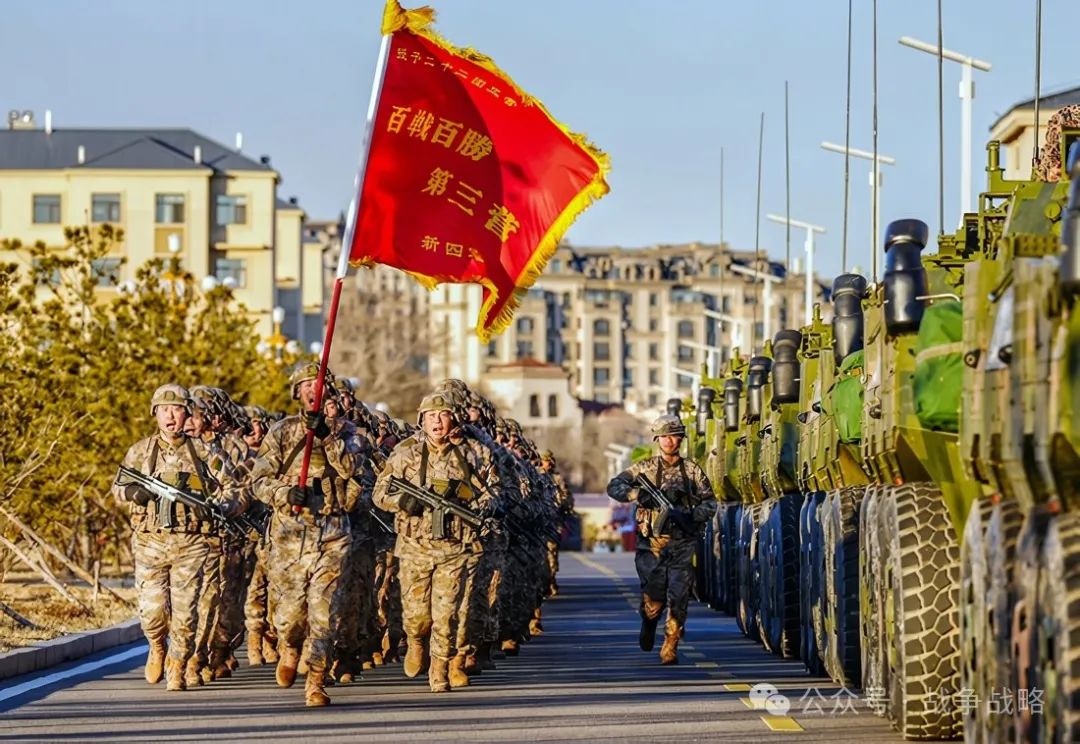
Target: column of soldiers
x,y
434,544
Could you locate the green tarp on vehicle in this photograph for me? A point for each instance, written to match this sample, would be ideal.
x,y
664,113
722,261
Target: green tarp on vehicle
x,y
939,366
847,398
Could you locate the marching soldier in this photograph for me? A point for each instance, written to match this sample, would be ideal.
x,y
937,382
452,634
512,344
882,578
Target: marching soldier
x,y
309,530
261,642
564,505
665,550
171,542
432,569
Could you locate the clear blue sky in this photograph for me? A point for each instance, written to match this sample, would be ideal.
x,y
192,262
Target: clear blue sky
x,y
659,85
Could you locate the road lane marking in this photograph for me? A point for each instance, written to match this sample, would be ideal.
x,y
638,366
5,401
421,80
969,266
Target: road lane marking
x,y
782,723
737,687
706,664
49,679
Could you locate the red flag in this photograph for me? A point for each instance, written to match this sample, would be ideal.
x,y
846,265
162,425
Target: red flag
x,y
468,178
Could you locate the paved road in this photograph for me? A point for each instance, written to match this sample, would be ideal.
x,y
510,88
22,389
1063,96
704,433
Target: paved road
x,y
585,679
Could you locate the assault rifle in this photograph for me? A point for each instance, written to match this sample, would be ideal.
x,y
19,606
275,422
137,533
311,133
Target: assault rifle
x,y
440,506
664,505
168,495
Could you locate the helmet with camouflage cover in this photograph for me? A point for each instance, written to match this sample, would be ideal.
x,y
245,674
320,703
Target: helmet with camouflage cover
x,y
306,371
206,400
170,394
668,425
257,413
548,456
434,402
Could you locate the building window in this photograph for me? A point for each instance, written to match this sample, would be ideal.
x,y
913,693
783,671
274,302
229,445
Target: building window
x,y
654,352
600,376
492,349
601,351
654,376
231,210
169,209
524,349
525,325
105,208
714,270
601,328
235,268
556,266
686,354
653,325
725,304
653,299
553,406
654,401
759,331
106,271
628,378
603,398
46,209
685,329
534,405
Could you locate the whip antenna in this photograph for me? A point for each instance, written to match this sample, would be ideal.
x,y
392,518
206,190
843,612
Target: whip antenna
x,y
847,142
757,227
941,121
876,206
787,180
1038,79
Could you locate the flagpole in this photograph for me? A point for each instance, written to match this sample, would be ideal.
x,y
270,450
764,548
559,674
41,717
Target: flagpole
x,y
346,247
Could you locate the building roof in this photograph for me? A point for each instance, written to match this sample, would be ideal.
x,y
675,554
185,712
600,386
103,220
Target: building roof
x,y
280,203
1049,102
524,362
151,149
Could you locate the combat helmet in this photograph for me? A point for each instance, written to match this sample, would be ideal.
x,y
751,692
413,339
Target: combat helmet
x,y
668,425
170,394
434,402
307,371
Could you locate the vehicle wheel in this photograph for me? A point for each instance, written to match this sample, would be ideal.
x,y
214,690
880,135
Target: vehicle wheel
x,y
746,617
807,578
1025,617
757,519
729,567
817,588
843,586
1002,532
769,558
870,605
922,579
974,587
780,584
1057,666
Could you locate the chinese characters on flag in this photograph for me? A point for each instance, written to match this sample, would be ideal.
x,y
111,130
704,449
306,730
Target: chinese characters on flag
x,y
468,179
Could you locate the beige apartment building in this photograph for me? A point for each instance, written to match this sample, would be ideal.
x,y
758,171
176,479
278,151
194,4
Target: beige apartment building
x,y
631,326
173,192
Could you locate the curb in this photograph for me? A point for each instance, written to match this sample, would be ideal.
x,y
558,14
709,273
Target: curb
x,y
67,648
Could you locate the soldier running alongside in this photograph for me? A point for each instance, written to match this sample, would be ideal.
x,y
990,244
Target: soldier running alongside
x,y
665,550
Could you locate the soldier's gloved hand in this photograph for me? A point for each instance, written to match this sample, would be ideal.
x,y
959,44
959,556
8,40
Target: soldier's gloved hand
x,y
297,496
411,505
138,495
316,421
645,500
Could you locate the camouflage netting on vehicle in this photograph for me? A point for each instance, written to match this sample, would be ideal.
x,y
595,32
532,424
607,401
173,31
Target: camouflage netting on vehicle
x,y
847,398
939,366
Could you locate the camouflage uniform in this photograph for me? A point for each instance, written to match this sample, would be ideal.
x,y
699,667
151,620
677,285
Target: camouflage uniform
x,y
171,562
433,571
564,507
664,560
307,550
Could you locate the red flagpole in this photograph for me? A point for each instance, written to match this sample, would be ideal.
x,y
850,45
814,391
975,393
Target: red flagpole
x,y
346,249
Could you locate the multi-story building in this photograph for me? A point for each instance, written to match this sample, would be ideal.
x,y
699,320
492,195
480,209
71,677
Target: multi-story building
x,y
632,326
173,192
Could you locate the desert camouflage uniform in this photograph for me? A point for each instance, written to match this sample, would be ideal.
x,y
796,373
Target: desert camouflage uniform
x,y
663,561
433,572
171,563
307,551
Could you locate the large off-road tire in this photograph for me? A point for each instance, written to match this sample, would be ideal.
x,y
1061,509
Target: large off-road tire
x,y
871,607
729,567
808,579
974,588
842,586
922,581
779,560
884,528
747,613
1026,618
757,519
701,578
1002,532
1057,668
818,589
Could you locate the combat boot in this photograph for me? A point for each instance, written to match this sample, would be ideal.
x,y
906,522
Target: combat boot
x,y
255,649
302,667
232,662
206,674
377,658
314,692
269,650
415,658
219,666
510,647
438,675
286,666
174,676
483,656
155,662
191,673
669,652
535,627
647,636
456,673
472,665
